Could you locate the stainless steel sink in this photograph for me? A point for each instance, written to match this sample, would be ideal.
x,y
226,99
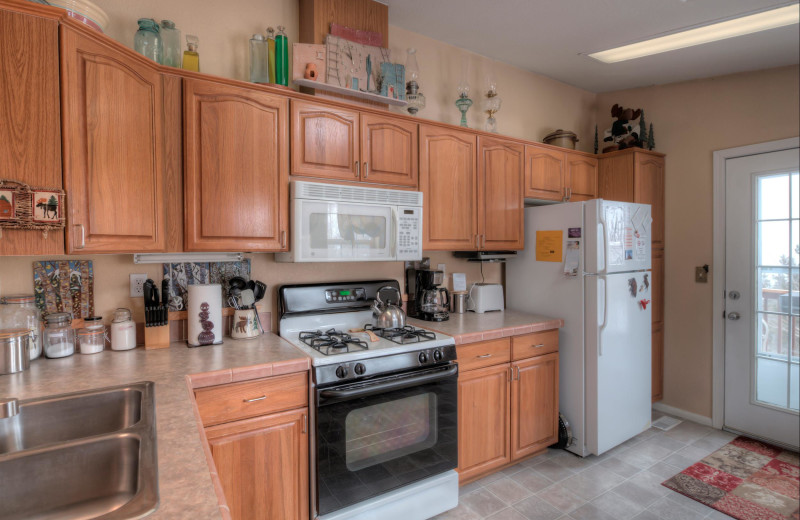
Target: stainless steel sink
x,y
83,455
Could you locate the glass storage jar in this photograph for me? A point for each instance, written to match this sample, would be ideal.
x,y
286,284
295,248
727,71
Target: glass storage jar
x,y
20,312
123,330
171,42
92,337
58,337
147,40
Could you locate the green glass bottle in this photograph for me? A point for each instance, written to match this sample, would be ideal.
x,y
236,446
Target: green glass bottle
x,y
271,53
281,58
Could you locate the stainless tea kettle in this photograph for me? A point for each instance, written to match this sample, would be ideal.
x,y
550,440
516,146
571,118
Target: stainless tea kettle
x,y
388,315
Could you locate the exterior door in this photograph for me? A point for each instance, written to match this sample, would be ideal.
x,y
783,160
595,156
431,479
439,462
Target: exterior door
x,y
762,254
501,167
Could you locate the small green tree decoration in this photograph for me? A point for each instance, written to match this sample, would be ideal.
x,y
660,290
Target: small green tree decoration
x,y
651,142
642,130
3,197
596,144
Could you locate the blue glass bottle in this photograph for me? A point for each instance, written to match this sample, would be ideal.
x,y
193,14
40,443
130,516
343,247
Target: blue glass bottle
x,y
147,41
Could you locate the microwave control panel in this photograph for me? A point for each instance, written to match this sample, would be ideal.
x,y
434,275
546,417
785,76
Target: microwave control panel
x,y
409,233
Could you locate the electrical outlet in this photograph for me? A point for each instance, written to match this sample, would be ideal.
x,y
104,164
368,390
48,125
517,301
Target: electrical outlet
x,y
137,285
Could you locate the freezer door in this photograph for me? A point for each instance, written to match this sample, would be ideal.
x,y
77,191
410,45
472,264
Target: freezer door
x,y
618,313
619,240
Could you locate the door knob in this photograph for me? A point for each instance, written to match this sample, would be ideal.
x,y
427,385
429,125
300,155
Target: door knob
x,y
733,316
734,295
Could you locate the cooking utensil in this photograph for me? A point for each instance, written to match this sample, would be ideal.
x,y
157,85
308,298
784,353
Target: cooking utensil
x,y
247,298
388,315
237,282
260,291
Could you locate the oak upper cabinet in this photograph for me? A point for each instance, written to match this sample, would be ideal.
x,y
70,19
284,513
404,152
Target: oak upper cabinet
x,y
262,465
236,171
501,166
483,420
648,188
113,136
544,173
30,123
448,179
388,150
534,405
581,178
325,141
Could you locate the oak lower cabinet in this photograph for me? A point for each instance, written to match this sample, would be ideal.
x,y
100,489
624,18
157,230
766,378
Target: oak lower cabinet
x,y
257,432
236,168
334,143
559,175
113,147
507,410
501,168
30,129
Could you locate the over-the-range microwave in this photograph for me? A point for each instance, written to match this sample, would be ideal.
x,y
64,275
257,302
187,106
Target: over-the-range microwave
x,y
341,223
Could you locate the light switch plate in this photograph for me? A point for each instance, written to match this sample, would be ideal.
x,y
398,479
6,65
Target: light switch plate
x,y
700,274
137,284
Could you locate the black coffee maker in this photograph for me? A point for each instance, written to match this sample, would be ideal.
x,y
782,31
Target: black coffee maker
x,y
430,302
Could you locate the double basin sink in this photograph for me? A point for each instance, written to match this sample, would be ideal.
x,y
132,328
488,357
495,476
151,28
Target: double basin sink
x,y
81,455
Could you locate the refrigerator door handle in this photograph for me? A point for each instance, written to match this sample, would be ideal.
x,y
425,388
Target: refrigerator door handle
x,y
601,236
603,323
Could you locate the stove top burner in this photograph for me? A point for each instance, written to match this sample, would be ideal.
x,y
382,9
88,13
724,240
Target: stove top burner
x,y
402,335
331,341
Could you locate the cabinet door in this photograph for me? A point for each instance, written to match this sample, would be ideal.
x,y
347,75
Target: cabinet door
x,y
262,465
449,182
581,178
500,202
657,285
648,188
534,405
615,181
30,122
388,150
544,173
325,142
235,181
658,362
483,421
113,139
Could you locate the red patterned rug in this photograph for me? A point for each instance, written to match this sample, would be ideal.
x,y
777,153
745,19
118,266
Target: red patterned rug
x,y
746,479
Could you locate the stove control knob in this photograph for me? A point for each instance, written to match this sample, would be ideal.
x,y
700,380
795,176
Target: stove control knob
x,y
423,358
341,372
359,369
437,355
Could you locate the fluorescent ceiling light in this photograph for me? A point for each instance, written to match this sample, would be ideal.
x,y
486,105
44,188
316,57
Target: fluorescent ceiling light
x,y
753,23
178,258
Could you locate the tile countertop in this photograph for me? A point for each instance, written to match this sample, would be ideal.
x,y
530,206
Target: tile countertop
x,y
186,489
472,327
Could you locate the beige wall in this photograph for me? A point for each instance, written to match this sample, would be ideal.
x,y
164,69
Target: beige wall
x,y
690,121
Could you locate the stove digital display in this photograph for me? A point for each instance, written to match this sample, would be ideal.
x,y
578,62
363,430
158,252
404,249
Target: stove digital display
x,y
345,293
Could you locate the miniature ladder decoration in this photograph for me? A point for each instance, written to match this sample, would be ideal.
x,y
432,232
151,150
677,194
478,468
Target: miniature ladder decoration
x,y
26,207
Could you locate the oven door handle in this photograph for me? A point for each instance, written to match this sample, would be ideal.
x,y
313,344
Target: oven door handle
x,y
397,384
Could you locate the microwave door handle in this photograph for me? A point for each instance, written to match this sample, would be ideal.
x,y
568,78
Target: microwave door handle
x,y
388,386
396,231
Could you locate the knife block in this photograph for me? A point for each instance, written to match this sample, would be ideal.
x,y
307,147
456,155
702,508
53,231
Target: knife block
x,y
156,337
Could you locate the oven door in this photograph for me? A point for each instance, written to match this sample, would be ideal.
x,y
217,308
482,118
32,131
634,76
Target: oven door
x,y
379,435
334,231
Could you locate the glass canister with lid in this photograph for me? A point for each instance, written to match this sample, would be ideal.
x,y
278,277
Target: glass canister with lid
x,y
123,330
20,312
58,338
92,337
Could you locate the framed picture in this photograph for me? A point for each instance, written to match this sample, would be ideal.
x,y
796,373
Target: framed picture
x,y
7,204
46,206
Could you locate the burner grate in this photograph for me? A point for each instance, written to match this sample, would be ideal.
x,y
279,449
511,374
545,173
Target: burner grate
x,y
331,341
402,335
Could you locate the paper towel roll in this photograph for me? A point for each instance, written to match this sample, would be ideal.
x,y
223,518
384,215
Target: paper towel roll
x,y
204,315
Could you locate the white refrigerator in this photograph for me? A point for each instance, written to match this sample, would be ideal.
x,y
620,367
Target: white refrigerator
x,y
589,263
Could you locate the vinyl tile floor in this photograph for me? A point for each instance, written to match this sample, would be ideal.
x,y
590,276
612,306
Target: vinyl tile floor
x,y
623,483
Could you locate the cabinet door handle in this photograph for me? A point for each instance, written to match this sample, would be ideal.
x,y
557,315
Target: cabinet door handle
x,y
510,374
484,356
569,193
366,170
540,345
283,238
517,367
305,423
477,241
82,243
358,169
254,399
483,241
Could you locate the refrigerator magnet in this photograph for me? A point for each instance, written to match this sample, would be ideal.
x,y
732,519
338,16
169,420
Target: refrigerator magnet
x,y
573,258
574,232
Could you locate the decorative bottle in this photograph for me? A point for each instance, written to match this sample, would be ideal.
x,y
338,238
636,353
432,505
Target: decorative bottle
x,y
147,40
259,71
281,58
271,58
191,58
171,39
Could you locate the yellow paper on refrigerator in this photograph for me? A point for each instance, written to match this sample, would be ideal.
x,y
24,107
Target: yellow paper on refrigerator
x,y
549,246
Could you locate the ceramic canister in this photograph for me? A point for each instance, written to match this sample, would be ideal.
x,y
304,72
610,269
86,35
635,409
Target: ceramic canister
x,y
204,312
244,324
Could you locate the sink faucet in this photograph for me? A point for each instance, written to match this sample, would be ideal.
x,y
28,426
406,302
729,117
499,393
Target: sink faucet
x,y
8,407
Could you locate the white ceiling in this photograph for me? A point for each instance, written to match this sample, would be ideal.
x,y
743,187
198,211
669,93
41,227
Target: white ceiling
x,y
549,36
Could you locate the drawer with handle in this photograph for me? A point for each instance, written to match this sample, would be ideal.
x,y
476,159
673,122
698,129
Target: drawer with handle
x,y
225,403
535,344
484,354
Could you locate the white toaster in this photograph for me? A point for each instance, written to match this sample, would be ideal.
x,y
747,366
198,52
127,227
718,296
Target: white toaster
x,y
484,297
